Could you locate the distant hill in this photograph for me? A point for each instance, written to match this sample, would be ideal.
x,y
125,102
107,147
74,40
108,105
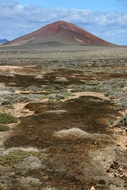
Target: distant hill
x,y
3,41
61,32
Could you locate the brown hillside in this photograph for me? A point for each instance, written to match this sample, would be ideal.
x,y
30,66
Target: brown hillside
x,y
61,32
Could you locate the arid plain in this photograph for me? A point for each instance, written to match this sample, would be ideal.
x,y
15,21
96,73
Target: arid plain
x,y
63,117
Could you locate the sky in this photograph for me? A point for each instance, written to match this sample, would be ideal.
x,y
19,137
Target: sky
x,y
106,19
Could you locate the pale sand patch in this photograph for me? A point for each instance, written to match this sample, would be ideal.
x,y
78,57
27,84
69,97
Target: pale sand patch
x,y
92,94
123,112
122,141
28,92
120,133
20,111
22,91
56,111
3,136
2,85
16,69
120,137
4,92
79,40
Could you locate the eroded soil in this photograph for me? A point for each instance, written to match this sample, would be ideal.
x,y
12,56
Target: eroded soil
x,y
72,124
69,155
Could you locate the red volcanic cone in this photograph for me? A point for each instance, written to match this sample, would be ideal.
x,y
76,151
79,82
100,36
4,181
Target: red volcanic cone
x,y
62,32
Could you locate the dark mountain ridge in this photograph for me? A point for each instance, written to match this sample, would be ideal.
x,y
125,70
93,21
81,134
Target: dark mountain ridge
x,y
3,41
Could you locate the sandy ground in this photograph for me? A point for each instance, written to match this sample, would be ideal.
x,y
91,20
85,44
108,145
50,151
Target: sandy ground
x,y
85,157
19,110
92,94
17,69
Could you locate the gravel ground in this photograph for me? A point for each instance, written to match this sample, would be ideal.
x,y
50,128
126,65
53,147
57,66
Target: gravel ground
x,y
71,105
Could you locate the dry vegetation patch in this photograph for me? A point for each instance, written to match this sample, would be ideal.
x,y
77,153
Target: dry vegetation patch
x,y
71,103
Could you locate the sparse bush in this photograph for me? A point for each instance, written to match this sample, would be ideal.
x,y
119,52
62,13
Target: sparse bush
x,y
22,88
122,122
16,98
12,83
85,88
17,156
6,118
3,187
4,128
53,88
7,104
67,94
34,88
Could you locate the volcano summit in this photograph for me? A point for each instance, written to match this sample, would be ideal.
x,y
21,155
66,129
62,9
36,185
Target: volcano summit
x,y
61,32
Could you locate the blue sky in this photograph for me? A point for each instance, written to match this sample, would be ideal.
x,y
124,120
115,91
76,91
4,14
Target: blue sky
x,y
94,5
105,18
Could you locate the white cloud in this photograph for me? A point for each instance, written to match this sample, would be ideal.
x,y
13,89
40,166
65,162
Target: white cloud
x,y
17,20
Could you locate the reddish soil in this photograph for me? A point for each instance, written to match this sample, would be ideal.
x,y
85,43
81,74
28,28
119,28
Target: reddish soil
x,y
61,32
18,70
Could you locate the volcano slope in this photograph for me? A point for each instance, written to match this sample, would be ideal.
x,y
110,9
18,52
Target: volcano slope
x,y
71,105
60,33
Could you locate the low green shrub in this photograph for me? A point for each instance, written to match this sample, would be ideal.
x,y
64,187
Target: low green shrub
x,y
18,155
4,128
3,187
53,88
6,118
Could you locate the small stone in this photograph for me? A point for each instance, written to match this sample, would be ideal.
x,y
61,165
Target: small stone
x,y
115,162
122,175
116,174
125,174
102,182
92,188
120,169
45,177
115,165
11,174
